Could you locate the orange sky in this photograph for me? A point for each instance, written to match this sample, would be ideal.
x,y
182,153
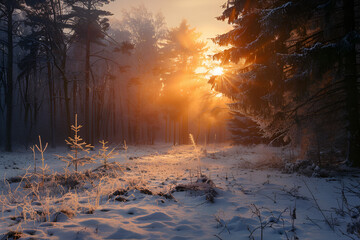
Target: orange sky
x,y
199,13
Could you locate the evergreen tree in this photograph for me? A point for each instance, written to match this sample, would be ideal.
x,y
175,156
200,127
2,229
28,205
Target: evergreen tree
x,y
49,38
89,25
244,131
147,31
297,73
182,54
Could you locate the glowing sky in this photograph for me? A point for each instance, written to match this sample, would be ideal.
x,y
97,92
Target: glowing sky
x,y
199,13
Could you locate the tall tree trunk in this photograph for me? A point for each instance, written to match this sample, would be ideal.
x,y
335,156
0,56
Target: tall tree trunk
x,y
174,135
122,136
2,78
66,92
180,133
67,104
351,89
74,96
148,133
87,89
113,111
197,133
88,136
93,122
185,127
137,127
27,110
35,97
153,134
51,96
130,139
166,126
207,133
169,139
9,83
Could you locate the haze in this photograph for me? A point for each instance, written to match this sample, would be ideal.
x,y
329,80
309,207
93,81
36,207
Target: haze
x,y
200,14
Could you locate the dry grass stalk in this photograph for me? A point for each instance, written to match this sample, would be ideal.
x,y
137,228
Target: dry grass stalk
x,y
197,155
33,150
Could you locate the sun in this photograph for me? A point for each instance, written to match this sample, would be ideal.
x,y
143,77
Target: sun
x,y
217,71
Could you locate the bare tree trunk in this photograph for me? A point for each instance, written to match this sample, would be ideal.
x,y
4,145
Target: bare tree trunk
x,y
93,128
27,111
207,133
351,89
180,130
166,126
130,140
67,105
170,131
153,135
121,121
87,89
51,96
2,80
75,96
137,127
113,111
9,83
174,135
148,133
185,127
197,133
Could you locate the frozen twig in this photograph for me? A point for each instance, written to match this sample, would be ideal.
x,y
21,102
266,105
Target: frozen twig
x,y
319,208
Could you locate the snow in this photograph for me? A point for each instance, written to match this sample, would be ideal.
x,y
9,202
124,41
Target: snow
x,y
252,198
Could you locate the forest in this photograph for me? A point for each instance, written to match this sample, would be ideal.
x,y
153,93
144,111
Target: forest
x,y
133,125
137,80
133,80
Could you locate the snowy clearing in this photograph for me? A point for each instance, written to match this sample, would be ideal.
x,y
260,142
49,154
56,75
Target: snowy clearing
x,y
145,197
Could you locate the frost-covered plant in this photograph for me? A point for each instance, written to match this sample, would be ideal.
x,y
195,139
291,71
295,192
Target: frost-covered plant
x,y
105,153
77,146
197,155
265,222
41,149
125,146
33,150
13,235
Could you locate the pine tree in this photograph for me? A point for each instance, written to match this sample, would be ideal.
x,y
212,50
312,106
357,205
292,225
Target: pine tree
x,y
244,131
89,25
182,53
50,38
297,71
147,32
77,145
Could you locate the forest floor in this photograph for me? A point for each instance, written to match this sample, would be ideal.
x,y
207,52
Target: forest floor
x,y
153,192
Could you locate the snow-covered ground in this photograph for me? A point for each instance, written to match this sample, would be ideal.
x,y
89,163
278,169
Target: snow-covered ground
x,y
252,201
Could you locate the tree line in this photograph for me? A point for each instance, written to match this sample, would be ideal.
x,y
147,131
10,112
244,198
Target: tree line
x,y
130,79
